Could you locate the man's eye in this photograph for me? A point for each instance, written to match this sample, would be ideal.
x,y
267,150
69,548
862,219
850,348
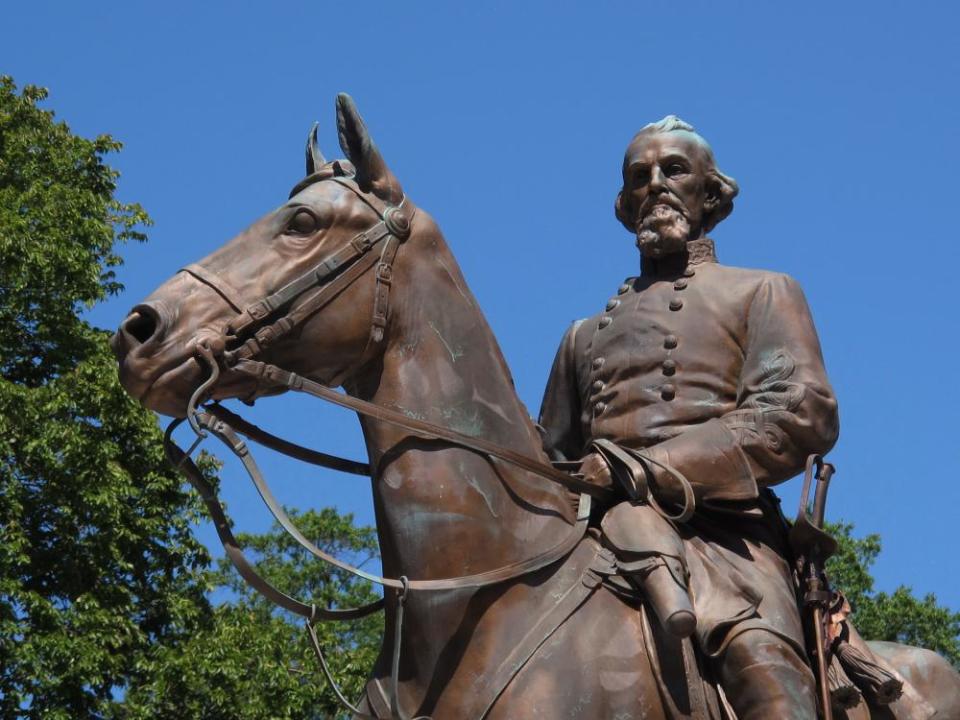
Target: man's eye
x,y
676,169
303,222
641,177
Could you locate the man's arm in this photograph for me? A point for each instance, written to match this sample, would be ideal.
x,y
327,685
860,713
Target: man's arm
x,y
785,409
560,410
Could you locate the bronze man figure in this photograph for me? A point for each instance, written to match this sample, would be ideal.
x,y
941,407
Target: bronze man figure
x,y
715,371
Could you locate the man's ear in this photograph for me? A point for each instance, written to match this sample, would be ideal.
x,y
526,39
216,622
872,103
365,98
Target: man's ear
x,y
373,175
720,192
712,195
623,209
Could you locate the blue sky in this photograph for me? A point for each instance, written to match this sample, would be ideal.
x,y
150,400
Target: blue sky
x,y
507,121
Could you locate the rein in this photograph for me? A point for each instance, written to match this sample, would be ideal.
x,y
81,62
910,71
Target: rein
x,y
251,333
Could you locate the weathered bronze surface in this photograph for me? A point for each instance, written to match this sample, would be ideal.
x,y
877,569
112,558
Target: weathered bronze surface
x,y
698,385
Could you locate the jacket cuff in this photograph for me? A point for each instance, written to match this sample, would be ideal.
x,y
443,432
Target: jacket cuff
x,y
709,456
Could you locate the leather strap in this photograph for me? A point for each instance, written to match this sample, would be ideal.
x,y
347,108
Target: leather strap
x,y
272,375
223,288
359,245
371,200
628,467
381,295
507,572
313,303
182,462
490,688
298,452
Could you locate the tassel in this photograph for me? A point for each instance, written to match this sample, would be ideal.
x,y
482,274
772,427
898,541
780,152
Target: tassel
x,y
878,686
844,695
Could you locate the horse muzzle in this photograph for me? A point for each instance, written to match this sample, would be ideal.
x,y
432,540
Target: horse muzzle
x,y
153,367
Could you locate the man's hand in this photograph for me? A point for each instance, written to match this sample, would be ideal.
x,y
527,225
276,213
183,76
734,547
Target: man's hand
x,y
595,470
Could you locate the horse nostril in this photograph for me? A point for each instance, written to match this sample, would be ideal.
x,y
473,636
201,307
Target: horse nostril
x,y
142,324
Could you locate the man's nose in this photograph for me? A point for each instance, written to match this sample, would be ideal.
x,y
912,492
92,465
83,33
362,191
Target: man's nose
x,y
656,179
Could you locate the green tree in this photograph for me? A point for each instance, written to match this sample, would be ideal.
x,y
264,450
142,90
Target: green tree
x,y
97,558
898,616
254,662
104,589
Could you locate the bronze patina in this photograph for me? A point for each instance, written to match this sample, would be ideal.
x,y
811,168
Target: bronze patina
x,y
658,581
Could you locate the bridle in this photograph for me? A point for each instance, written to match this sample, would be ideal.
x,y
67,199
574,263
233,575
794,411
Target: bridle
x,y
259,326
256,328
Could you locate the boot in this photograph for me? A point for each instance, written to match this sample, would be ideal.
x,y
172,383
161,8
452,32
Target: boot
x,y
764,677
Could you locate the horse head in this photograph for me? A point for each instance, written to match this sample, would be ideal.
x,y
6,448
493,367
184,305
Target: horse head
x,y
340,212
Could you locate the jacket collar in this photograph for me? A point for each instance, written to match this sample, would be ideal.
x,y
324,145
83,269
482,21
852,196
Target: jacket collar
x,y
696,252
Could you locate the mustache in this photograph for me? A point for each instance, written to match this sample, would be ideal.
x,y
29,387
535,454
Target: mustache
x,y
662,199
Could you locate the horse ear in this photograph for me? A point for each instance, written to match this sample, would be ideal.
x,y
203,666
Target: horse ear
x,y
373,175
315,158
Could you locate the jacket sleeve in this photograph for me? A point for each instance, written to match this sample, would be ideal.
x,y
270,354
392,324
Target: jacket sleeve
x,y
785,407
561,407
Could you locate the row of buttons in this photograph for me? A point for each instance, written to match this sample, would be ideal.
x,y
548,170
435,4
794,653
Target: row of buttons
x,y
604,322
668,391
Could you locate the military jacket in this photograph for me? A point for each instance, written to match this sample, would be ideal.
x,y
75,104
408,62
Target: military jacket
x,y
715,370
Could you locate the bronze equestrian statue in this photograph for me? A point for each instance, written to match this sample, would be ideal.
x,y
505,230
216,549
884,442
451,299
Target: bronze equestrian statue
x,y
511,587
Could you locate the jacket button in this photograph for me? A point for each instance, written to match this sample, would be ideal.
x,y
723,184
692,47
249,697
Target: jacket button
x,y
689,272
611,304
598,385
676,304
669,366
599,407
670,342
623,288
680,284
668,391
597,363
604,321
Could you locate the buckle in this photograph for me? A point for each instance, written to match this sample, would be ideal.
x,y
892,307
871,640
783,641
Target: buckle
x,y
384,273
361,242
265,336
258,311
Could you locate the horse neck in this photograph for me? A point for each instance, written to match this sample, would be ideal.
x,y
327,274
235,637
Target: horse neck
x,y
442,510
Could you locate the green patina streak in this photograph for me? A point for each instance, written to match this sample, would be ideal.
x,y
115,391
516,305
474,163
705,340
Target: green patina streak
x,y
466,421
455,352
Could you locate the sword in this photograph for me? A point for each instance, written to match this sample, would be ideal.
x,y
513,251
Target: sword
x,y
810,542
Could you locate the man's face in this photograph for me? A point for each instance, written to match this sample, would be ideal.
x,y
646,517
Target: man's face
x,y
665,183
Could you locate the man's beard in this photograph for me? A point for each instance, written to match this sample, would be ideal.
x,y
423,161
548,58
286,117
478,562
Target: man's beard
x,y
664,230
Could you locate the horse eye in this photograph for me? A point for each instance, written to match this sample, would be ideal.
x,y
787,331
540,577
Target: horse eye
x,y
303,222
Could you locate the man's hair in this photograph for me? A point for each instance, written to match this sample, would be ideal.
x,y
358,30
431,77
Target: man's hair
x,y
724,187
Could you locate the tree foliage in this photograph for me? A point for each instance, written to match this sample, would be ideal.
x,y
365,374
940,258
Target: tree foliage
x,y
898,616
97,557
105,605
253,662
